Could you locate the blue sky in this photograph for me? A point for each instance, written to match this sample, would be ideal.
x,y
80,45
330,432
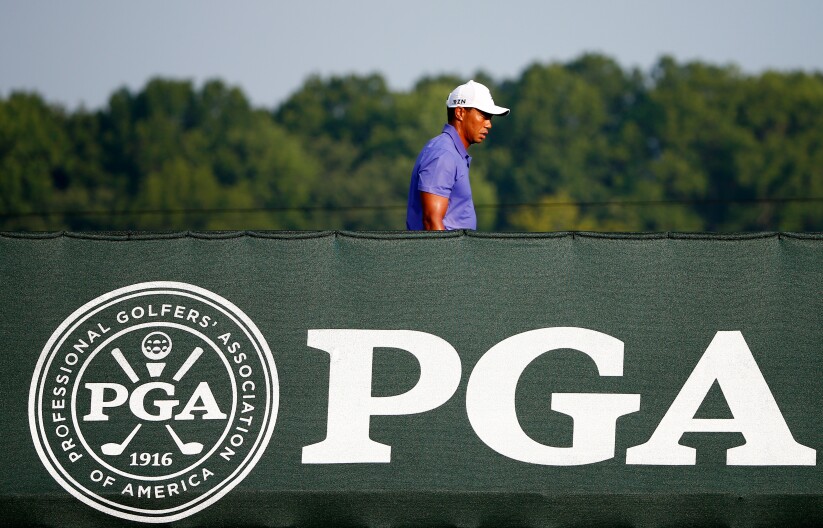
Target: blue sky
x,y
80,51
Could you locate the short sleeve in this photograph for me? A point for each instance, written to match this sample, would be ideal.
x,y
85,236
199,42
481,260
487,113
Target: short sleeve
x,y
437,175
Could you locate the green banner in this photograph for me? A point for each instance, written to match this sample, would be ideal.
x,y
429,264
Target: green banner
x,y
411,379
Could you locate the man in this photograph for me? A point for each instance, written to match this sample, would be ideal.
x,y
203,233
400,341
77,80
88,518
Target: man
x,y
440,194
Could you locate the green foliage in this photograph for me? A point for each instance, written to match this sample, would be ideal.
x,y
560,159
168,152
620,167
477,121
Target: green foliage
x,y
34,147
589,145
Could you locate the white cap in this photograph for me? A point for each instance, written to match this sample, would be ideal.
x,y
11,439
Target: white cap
x,y
474,95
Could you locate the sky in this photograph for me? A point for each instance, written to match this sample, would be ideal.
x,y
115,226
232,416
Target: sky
x,y
77,53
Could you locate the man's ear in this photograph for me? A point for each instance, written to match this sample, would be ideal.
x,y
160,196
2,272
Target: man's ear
x,y
459,112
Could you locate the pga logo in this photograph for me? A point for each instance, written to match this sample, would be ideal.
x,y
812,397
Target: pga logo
x,y
153,401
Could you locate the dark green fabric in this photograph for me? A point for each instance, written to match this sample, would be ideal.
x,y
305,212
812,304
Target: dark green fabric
x,y
664,295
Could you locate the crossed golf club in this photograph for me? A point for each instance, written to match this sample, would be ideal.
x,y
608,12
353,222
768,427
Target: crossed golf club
x,y
186,448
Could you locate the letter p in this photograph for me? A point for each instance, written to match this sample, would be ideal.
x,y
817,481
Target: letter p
x,y
351,404
99,402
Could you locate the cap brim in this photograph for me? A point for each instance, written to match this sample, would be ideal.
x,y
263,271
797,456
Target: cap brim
x,y
495,110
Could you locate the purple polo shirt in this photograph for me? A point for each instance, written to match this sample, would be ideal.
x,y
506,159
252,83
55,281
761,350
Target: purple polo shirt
x,y
442,168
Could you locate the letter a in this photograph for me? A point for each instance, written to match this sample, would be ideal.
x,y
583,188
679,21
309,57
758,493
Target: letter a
x,y
769,442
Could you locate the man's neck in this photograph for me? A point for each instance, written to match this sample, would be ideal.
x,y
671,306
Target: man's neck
x,y
456,126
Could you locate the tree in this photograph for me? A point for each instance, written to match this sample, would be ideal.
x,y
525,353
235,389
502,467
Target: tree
x,y
588,145
34,152
784,112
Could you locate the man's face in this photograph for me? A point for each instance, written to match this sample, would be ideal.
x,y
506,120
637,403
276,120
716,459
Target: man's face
x,y
476,125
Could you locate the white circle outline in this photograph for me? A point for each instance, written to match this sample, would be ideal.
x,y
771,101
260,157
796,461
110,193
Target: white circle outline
x,y
156,356
243,468
56,461
100,307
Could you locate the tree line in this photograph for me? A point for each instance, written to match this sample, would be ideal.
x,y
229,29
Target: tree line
x,y
589,145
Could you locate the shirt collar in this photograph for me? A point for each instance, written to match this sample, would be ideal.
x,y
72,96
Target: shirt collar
x,y
458,143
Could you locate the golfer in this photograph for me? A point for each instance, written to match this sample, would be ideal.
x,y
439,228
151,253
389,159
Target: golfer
x,y
440,194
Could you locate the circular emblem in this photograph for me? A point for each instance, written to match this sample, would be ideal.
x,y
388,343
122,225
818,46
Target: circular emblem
x,y
156,345
153,401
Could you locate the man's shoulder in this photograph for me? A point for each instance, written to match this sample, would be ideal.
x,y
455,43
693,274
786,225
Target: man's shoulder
x,y
440,145
439,159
